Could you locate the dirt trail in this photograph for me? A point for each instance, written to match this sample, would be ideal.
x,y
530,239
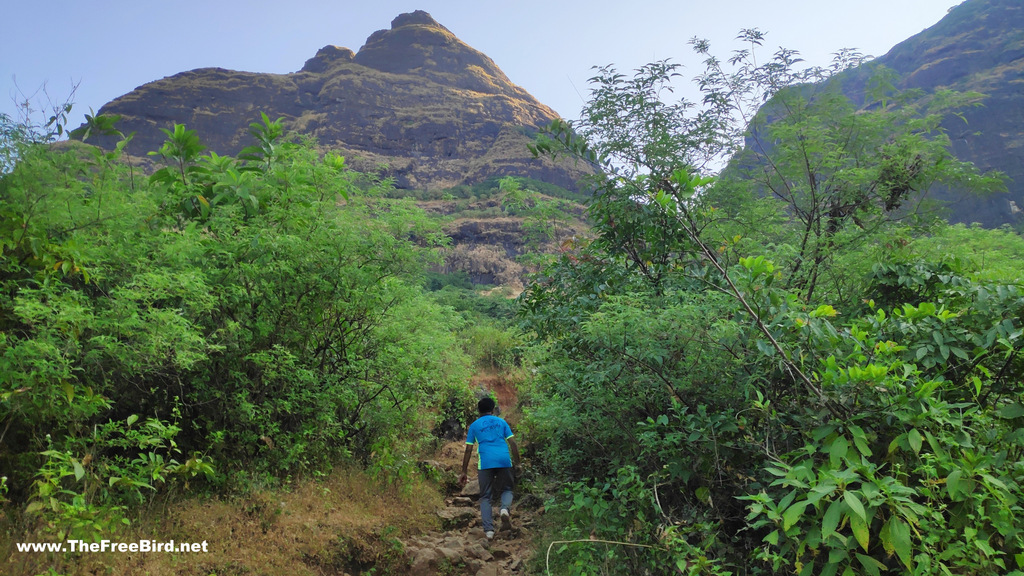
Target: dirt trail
x,y
460,546
504,392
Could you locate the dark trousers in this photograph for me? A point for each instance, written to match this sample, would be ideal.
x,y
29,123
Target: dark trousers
x,y
493,480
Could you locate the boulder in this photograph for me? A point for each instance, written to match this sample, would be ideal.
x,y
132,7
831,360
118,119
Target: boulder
x,y
455,518
488,570
424,562
471,489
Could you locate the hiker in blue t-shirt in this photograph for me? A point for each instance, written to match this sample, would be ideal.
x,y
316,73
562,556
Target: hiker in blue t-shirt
x,y
497,451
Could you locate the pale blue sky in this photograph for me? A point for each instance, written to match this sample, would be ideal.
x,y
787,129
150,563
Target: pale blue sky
x,y
109,47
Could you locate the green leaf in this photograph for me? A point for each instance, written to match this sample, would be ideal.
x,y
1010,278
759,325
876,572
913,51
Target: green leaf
x,y
953,484
915,440
825,310
860,531
899,533
862,445
895,443
871,566
820,491
855,504
703,494
837,449
886,538
985,547
831,520
133,419
69,391
1011,411
837,556
793,514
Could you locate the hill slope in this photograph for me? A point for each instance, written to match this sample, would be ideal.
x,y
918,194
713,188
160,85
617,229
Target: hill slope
x,y
978,46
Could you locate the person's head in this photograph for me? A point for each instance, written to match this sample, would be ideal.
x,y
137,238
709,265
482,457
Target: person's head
x,y
485,405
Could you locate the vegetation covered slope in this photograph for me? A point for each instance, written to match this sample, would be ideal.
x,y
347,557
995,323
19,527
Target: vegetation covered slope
x,y
721,381
221,322
415,105
977,47
801,382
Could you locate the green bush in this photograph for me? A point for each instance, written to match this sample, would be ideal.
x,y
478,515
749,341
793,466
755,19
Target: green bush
x,y
493,347
266,311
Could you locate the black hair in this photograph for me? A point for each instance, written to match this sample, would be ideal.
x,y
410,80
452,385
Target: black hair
x,y
485,405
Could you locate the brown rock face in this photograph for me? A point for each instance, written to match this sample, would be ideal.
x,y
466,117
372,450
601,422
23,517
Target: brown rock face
x,y
415,98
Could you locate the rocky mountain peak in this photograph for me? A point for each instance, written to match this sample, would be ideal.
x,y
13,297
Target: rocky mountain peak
x,y
413,18
326,56
979,37
416,43
415,98
978,46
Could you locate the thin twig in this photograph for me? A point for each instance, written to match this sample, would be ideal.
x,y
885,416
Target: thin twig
x,y
790,366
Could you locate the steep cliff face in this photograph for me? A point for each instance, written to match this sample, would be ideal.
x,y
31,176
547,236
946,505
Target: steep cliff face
x,y
415,98
978,46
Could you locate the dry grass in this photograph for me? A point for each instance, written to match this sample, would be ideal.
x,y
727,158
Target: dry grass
x,y
345,523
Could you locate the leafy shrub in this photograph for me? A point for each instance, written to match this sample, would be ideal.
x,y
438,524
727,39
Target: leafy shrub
x,y
492,347
266,312
111,469
901,492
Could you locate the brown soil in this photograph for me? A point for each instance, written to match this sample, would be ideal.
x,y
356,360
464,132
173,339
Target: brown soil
x,y
504,391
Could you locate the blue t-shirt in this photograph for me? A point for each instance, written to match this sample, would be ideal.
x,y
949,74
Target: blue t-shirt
x,y
491,435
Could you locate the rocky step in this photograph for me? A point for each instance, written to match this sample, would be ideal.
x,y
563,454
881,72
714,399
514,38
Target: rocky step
x,y
469,553
462,547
